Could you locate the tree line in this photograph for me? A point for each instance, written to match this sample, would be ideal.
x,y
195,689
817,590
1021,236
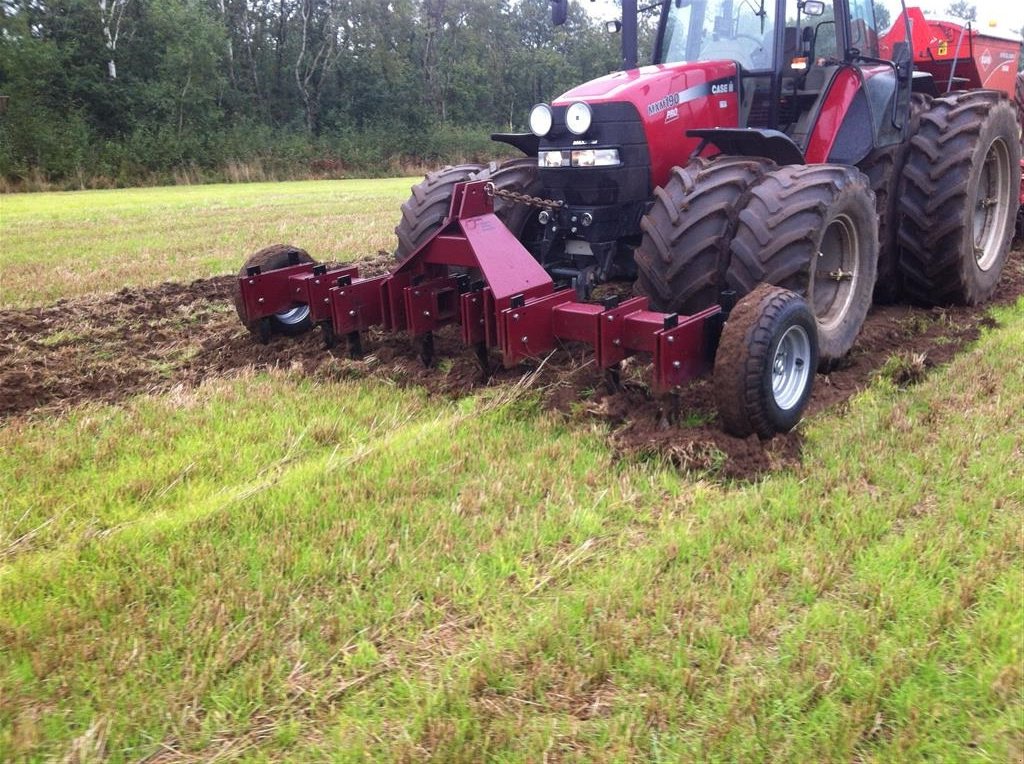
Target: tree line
x,y
98,92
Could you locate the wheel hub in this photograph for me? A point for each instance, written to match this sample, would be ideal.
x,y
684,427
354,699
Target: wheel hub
x,y
836,271
293,316
991,205
790,369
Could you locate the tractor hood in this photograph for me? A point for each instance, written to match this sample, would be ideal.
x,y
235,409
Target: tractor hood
x,y
648,83
668,100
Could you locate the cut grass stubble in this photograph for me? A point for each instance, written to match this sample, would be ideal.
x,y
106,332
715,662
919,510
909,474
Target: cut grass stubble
x,y
379,574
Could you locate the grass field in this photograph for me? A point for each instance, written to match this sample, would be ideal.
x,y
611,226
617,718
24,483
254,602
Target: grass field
x,y
274,566
101,241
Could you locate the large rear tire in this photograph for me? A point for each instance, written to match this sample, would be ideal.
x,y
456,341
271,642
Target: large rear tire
x,y
813,230
764,367
682,258
427,207
883,168
293,321
959,196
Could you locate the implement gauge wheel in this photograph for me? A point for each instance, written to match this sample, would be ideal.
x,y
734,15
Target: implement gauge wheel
x,y
765,364
292,321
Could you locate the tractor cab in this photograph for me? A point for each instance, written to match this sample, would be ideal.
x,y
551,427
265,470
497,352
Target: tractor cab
x,y
809,69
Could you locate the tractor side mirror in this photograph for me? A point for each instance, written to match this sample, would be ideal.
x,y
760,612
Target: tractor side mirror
x,y
814,7
613,27
559,11
901,58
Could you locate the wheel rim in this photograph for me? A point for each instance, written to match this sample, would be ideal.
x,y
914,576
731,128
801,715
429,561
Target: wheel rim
x,y
293,316
992,205
836,273
791,367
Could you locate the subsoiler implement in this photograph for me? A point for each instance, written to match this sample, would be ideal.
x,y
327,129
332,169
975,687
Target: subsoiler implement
x,y
474,273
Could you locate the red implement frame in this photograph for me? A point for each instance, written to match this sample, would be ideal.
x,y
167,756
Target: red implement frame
x,y
500,296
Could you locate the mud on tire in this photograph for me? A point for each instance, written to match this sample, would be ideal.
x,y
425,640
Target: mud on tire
x,y
682,258
959,195
764,367
291,322
812,229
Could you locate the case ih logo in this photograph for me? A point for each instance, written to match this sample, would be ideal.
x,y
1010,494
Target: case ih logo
x,y
717,87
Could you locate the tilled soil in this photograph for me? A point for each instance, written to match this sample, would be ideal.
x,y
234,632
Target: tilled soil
x,y
136,341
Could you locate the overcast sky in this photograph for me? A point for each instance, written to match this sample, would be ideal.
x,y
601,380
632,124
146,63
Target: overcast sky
x,y
1009,14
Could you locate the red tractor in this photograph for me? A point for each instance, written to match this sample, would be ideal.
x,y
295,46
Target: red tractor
x,y
779,164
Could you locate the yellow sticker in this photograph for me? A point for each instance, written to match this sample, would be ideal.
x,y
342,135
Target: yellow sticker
x,y
943,47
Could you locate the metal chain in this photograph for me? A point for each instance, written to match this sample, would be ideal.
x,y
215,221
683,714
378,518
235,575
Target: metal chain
x,y
519,198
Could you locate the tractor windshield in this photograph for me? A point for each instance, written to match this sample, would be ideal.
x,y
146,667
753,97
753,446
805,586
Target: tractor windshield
x,y
709,30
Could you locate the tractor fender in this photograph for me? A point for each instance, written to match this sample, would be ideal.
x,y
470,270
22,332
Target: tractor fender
x,y
528,143
750,142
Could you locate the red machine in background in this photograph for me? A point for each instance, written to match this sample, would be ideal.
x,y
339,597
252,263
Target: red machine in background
x,y
962,56
959,56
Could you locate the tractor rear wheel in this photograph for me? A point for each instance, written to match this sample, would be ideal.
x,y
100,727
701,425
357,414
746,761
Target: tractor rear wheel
x,y
883,168
812,229
427,207
959,195
764,367
292,321
682,258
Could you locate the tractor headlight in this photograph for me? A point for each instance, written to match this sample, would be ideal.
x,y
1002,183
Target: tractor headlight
x,y
595,158
553,158
540,120
578,118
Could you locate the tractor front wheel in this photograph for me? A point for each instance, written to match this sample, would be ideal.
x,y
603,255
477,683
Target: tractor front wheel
x,y
427,207
682,258
293,321
764,367
812,229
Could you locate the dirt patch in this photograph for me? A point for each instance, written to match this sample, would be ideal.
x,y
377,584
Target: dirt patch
x,y
147,340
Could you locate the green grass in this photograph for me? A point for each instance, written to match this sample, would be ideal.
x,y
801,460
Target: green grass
x,y
278,567
101,241
271,568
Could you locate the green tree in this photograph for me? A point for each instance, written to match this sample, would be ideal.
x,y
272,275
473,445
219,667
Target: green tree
x,y
962,9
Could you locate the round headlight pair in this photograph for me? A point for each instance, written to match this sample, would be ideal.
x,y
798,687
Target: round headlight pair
x,y
578,118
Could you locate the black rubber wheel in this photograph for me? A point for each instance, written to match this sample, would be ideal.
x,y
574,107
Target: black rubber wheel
x,y
959,195
813,230
428,205
883,168
291,322
682,258
764,367
518,175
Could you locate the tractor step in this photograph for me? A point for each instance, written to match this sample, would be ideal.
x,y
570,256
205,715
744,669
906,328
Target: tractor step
x,y
509,303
